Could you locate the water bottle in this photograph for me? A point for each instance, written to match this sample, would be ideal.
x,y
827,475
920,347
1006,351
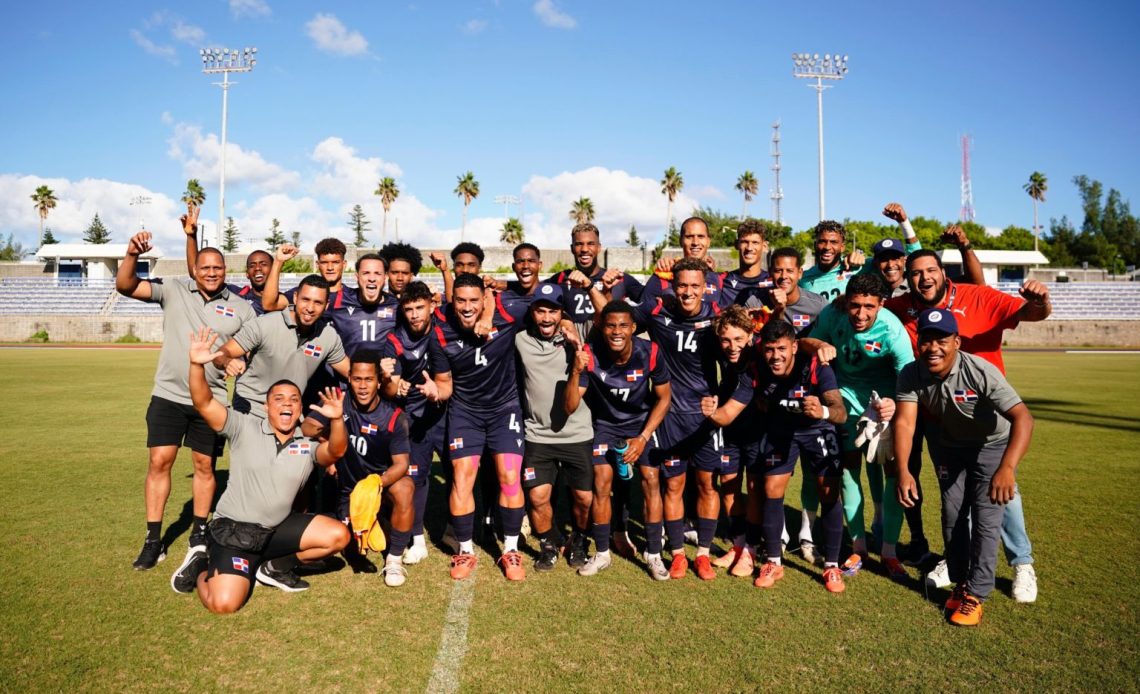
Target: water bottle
x,y
624,471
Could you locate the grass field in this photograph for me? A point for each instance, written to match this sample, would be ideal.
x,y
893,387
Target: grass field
x,y
75,616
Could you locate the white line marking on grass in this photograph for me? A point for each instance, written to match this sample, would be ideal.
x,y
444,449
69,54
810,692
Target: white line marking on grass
x,y
453,642
1102,351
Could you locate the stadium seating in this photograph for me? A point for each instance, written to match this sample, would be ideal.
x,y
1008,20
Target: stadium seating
x,y
1090,300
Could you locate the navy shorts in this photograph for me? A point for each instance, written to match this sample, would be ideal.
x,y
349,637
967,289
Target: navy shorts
x,y
684,439
817,451
426,436
170,423
735,454
604,440
286,539
469,434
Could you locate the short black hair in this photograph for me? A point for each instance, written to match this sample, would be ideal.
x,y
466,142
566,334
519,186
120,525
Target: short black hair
x,y
372,256
616,306
330,246
258,252
366,356
526,247
416,291
468,247
585,228
314,281
467,279
923,253
867,284
750,227
777,330
786,252
689,264
681,228
830,225
210,249
282,382
405,252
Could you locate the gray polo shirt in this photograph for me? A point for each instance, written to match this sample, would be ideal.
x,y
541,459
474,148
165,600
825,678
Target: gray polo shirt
x,y
279,352
184,311
265,475
967,404
545,369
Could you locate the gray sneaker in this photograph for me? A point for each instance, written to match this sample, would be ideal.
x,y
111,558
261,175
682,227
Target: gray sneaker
x,y
599,562
656,566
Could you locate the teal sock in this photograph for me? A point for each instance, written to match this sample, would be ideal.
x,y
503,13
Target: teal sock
x,y
892,514
853,505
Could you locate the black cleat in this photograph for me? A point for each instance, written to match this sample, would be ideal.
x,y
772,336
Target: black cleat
x,y
577,550
547,556
185,579
198,541
152,553
285,580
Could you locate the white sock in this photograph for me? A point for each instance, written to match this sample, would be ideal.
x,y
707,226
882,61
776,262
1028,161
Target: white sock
x,y
394,559
784,536
467,547
702,551
656,555
807,520
859,546
510,543
603,555
830,565
778,561
888,550
418,541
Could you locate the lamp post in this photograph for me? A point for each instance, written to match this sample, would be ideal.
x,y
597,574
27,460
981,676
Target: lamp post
x,y
506,201
140,200
819,68
225,61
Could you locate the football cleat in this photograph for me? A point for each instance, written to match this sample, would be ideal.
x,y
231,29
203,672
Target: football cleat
x,y
462,565
969,613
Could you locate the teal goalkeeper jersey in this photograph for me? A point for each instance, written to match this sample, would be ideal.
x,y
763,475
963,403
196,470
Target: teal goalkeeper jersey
x,y
830,284
866,361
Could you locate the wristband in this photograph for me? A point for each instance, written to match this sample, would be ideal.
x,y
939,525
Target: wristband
x,y
826,413
908,230
966,247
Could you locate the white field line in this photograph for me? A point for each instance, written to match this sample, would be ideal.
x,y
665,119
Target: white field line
x,y
1102,351
453,642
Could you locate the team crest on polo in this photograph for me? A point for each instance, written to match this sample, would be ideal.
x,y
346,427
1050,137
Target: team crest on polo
x,y
312,349
800,320
369,428
224,311
967,395
873,346
241,564
634,376
299,448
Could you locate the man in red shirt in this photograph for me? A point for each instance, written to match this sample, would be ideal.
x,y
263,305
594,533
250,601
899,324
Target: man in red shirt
x,y
983,315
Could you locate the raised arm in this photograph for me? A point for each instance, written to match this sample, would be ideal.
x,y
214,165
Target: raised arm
x,y
332,407
440,261
1037,306
190,228
971,266
127,281
213,412
271,297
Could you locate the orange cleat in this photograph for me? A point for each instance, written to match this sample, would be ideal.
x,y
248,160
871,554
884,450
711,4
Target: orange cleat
x,y
729,558
895,570
852,565
462,565
679,566
745,564
969,613
833,580
512,566
956,596
770,572
704,568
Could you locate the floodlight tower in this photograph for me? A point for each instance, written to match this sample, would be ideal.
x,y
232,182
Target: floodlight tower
x,y
139,201
506,201
966,214
828,67
777,191
225,61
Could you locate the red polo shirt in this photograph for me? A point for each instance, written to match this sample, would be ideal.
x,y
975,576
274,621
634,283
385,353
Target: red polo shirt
x,y
983,314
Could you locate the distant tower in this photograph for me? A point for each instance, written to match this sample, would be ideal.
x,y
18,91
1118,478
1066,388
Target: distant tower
x,y
966,214
777,191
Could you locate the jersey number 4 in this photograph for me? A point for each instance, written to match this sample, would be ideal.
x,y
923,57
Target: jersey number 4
x,y
480,358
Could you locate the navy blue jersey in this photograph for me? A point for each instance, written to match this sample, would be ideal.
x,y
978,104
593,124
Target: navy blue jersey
x,y
247,293
656,287
733,283
413,356
373,438
576,302
620,395
482,368
514,297
738,382
365,327
688,347
808,377
338,299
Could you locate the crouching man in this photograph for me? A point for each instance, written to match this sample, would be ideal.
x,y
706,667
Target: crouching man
x,y
255,533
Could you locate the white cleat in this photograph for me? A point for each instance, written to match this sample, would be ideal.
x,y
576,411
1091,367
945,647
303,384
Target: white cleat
x,y
599,562
939,576
394,573
415,553
1024,583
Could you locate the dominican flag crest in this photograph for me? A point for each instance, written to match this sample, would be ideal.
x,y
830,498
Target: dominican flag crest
x,y
634,376
312,349
672,462
529,474
299,448
967,395
413,470
384,313
491,335
800,320
773,460
710,288
241,564
873,346
798,393
455,444
369,428
601,449
224,311
725,459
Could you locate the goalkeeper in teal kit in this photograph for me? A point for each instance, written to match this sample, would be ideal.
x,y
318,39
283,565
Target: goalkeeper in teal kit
x,y
867,348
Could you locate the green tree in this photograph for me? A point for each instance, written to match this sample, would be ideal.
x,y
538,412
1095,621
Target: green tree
x,y
96,232
194,195
299,265
1062,240
275,239
1036,187
359,224
296,238
582,211
1090,191
12,250
747,185
468,189
231,239
44,201
48,237
671,184
632,239
512,233
388,192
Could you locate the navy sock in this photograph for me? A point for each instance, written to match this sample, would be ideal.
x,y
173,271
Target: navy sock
x,y
675,529
736,526
399,542
832,530
620,504
602,536
773,526
706,528
463,526
753,533
419,501
653,537
511,519
153,531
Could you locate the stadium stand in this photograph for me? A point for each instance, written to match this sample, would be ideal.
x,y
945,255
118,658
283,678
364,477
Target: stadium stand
x,y
1090,300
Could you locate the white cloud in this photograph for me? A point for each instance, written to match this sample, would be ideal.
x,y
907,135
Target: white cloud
x,y
187,33
158,50
200,154
344,176
249,8
474,26
551,16
332,36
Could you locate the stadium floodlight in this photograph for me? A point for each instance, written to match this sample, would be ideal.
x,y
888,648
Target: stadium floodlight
x,y
506,201
225,61
813,67
140,201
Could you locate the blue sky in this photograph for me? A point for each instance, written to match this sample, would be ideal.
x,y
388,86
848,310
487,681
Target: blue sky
x,y
556,99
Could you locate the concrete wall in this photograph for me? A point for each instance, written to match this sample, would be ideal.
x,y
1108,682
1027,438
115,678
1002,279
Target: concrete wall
x,y
64,328
1075,333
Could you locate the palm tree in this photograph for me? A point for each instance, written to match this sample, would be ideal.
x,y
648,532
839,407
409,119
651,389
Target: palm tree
x,y
44,201
671,184
388,192
747,185
468,189
194,195
582,211
512,233
1036,188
